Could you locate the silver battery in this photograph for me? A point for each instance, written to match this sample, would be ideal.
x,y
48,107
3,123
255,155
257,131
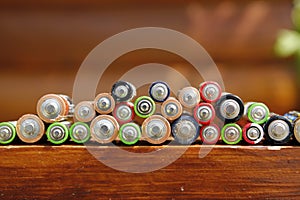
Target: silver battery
x,y
185,130
156,129
104,129
171,109
278,130
54,107
230,109
189,97
123,91
159,91
104,103
297,130
30,128
84,111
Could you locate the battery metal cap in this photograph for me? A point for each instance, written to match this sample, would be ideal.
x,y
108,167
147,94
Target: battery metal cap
x,y
210,91
84,111
171,109
159,91
7,132
189,97
253,133
258,113
278,129
204,113
124,112
80,132
53,107
156,129
30,128
297,130
104,129
231,133
104,103
130,133
123,91
57,133
210,134
144,107
229,108
185,130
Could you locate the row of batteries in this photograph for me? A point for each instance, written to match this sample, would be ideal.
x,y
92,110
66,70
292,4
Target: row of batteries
x,y
113,117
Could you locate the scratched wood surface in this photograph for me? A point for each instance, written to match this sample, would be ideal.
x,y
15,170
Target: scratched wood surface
x,y
71,172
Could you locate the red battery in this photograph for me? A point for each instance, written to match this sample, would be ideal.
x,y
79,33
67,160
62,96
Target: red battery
x,y
124,112
253,133
210,91
204,113
210,134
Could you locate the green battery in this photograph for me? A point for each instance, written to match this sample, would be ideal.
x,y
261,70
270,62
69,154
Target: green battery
x,y
7,132
130,133
231,133
257,112
58,132
144,107
80,132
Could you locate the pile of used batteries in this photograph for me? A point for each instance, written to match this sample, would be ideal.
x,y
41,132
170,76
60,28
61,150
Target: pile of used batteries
x,y
113,117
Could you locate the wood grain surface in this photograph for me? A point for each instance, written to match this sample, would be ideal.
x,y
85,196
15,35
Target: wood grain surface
x,y
71,172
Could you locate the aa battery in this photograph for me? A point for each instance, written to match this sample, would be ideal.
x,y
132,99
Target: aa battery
x,y
278,129
256,112
53,108
80,132
124,112
297,129
229,108
204,113
85,111
159,91
144,107
292,115
7,132
253,133
123,91
171,109
104,103
30,128
130,133
189,97
210,134
58,132
231,133
185,130
104,129
210,91
156,129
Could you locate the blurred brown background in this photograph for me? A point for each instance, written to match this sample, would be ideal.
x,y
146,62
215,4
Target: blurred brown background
x,y
43,43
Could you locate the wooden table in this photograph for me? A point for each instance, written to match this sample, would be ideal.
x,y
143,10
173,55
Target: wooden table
x,y
71,172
